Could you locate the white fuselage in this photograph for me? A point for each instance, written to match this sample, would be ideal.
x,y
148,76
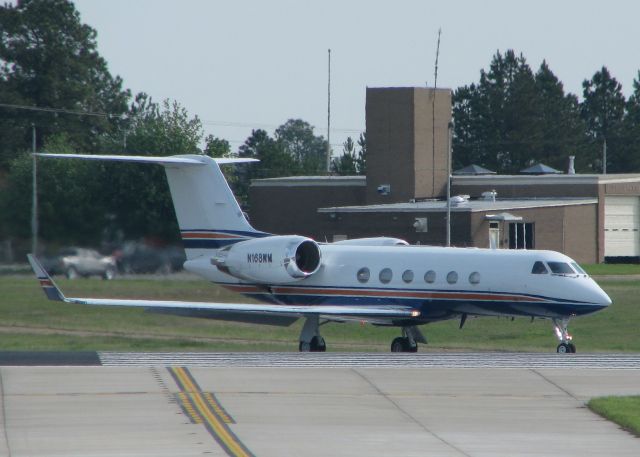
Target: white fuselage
x,y
440,282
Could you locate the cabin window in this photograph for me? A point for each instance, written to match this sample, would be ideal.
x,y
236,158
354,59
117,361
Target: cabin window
x,y
407,276
539,269
430,276
474,278
452,277
578,268
560,268
363,274
385,275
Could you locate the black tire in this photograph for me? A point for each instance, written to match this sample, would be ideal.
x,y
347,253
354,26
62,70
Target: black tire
x,y
398,344
318,344
572,348
109,274
563,348
304,347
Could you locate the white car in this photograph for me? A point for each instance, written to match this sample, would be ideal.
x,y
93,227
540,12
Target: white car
x,y
75,262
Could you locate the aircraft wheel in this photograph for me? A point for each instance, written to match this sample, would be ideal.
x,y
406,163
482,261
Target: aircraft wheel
x,y
563,348
318,344
304,346
572,348
400,344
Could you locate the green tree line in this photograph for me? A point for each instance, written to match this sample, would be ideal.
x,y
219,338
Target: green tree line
x,y
515,117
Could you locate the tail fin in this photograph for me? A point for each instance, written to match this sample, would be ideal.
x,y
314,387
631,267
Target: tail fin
x,y
208,214
48,286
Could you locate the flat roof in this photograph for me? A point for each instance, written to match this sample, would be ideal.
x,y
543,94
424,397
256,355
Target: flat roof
x,y
551,179
435,206
311,181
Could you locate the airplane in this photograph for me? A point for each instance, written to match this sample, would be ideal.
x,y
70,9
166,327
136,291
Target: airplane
x,y
383,281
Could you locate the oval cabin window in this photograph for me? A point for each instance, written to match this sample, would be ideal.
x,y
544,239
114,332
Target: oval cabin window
x,y
452,277
474,278
363,274
407,276
385,275
430,276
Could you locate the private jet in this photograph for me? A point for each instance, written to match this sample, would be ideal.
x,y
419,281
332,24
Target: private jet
x,y
383,281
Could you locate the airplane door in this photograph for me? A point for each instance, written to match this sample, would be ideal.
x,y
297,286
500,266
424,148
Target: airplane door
x,y
494,235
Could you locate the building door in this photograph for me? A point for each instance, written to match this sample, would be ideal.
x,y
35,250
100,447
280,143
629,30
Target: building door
x,y
521,235
621,223
494,235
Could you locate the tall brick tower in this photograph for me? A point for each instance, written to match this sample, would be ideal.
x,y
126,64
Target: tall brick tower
x,y
402,162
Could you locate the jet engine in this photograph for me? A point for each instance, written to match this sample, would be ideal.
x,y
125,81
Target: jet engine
x,y
271,260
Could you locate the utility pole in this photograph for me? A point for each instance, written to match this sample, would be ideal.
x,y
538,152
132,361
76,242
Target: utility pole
x,y
34,200
604,157
449,141
329,116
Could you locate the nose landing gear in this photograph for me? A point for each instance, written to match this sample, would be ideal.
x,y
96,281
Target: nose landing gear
x,y
560,329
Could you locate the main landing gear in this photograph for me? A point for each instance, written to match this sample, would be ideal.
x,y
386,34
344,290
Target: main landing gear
x,y
310,338
409,340
560,329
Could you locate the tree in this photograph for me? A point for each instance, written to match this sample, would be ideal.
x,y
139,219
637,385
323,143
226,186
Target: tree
x,y
308,151
217,147
48,58
345,165
68,209
630,147
136,197
561,125
514,118
603,111
361,160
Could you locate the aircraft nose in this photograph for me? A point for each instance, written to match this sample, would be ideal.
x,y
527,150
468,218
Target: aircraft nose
x,y
602,298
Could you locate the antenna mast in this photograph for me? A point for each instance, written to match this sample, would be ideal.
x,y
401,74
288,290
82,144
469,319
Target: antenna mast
x,y
329,116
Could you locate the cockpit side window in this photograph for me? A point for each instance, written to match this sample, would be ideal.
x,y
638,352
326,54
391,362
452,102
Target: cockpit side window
x,y
578,268
561,268
539,269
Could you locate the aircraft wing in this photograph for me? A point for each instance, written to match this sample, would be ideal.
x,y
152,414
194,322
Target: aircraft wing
x,y
364,312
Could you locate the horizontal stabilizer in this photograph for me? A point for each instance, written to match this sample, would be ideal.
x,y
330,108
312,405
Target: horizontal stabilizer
x,y
168,160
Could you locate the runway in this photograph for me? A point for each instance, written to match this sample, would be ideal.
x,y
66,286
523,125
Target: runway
x,y
267,405
372,360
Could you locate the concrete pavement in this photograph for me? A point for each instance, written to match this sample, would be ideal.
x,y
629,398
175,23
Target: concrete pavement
x,y
135,411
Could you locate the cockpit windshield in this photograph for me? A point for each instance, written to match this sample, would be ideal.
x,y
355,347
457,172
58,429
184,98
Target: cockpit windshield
x,y
561,268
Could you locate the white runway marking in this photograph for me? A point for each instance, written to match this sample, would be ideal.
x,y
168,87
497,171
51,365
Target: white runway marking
x,y
373,360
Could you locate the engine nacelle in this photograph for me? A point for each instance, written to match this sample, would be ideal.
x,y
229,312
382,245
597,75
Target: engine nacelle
x,y
271,260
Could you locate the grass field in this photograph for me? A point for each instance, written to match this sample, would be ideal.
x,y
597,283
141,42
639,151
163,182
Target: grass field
x,y
624,411
30,322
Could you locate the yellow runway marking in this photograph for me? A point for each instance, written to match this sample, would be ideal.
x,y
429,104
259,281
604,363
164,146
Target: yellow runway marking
x,y
204,408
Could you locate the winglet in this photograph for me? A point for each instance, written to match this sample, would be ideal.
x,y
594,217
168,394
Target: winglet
x,y
50,289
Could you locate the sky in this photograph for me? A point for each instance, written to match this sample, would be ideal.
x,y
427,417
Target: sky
x,y
240,65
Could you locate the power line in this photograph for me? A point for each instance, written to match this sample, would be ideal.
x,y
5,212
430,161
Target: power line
x,y
59,110
116,116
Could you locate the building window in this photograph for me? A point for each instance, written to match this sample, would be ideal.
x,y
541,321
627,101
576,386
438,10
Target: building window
x,y
407,276
430,276
521,235
474,278
452,277
385,275
363,274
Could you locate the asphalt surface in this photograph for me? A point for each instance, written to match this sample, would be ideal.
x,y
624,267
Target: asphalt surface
x,y
312,404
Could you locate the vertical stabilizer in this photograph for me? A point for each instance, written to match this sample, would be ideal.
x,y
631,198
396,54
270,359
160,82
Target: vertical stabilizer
x,y
208,214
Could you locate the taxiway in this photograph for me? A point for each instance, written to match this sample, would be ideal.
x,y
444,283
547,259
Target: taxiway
x,y
357,409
